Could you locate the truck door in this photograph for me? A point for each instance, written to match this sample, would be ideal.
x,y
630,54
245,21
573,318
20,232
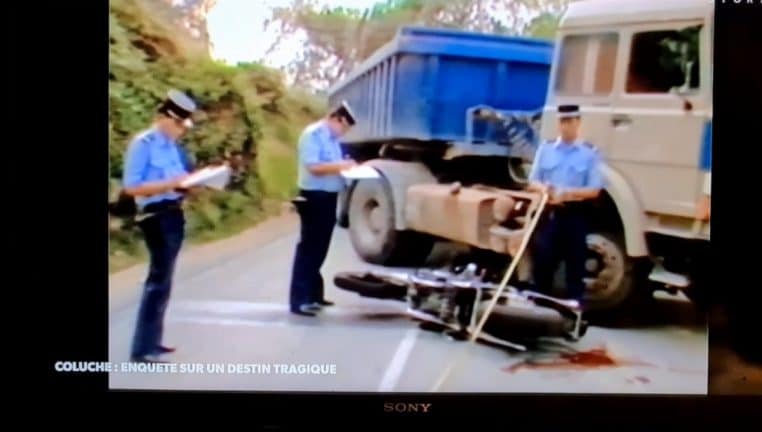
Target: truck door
x,y
660,112
583,74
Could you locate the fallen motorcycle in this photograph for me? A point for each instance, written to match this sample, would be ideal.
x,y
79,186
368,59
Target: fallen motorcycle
x,y
455,300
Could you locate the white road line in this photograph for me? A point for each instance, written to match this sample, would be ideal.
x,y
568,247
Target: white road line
x,y
227,307
227,322
397,365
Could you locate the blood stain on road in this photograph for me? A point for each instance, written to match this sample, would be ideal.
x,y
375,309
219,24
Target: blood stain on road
x,y
579,360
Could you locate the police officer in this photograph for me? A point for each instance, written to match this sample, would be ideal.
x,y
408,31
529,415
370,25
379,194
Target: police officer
x,y
154,167
568,169
320,163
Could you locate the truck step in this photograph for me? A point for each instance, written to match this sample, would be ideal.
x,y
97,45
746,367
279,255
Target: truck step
x,y
668,278
502,231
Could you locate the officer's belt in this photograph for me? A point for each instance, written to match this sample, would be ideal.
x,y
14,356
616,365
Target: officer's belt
x,y
156,208
569,206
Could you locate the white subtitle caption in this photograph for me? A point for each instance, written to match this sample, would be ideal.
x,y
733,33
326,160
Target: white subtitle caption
x,y
197,368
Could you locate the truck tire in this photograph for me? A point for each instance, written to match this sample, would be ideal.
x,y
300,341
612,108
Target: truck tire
x,y
518,170
373,232
615,282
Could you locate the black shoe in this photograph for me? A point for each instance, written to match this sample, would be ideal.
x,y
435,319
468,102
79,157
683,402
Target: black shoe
x,y
305,310
325,302
165,349
149,358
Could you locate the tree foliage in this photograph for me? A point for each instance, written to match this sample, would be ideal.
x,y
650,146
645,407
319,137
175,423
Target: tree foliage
x,y
184,19
237,108
544,26
191,16
339,39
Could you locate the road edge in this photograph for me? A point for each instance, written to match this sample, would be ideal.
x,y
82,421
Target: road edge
x,y
125,285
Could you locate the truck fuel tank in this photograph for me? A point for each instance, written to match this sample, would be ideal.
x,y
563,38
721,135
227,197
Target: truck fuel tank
x,y
481,216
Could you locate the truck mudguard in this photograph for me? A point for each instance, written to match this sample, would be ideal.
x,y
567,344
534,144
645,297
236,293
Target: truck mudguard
x,y
630,210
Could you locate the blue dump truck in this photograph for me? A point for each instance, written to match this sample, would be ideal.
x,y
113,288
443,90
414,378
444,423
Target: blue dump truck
x,y
437,106
440,116
427,86
451,120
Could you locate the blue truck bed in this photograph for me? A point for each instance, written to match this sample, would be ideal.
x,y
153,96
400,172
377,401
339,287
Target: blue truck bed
x,y
420,85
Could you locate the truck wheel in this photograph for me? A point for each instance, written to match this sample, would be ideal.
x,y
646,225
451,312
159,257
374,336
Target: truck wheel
x,y
372,228
518,170
614,281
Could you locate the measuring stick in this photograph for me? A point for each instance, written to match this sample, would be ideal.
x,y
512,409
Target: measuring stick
x,y
493,301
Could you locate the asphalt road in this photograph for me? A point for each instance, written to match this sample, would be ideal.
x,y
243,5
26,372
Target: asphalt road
x,y
229,307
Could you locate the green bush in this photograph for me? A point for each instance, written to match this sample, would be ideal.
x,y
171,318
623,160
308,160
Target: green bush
x,y
235,105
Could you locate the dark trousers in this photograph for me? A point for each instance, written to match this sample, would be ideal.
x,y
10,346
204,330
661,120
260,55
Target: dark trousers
x,y
317,212
561,235
164,234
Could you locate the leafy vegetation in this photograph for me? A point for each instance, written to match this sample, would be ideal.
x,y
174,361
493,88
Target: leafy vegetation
x,y
243,108
338,39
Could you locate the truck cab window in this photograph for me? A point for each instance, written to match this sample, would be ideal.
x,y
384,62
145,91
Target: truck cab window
x,y
587,64
664,61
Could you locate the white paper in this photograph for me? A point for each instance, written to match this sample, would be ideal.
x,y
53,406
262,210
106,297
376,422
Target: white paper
x,y
361,172
214,177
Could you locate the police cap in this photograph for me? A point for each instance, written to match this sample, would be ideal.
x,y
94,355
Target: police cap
x,y
345,111
178,106
568,111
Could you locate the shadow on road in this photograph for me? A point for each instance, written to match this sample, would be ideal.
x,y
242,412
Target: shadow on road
x,y
730,371
349,317
383,316
662,312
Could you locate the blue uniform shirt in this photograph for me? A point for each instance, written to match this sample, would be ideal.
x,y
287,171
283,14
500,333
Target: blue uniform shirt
x,y
564,165
318,144
154,156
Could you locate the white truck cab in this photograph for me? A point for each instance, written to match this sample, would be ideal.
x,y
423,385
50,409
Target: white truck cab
x,y
641,72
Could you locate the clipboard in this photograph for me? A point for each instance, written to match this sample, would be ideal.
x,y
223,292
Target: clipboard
x,y
217,177
360,172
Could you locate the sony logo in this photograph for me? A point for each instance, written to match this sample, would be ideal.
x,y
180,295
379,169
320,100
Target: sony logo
x,y
403,407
